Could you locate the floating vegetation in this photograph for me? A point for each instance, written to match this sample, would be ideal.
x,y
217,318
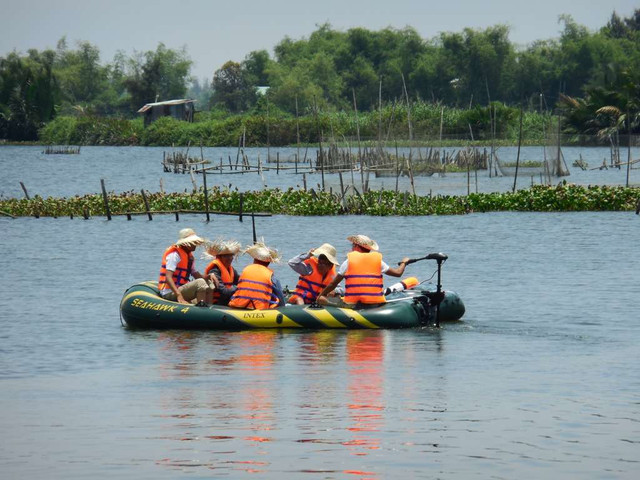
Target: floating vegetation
x,y
539,198
63,150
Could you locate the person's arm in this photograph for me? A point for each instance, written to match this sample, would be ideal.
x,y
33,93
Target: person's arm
x,y
399,270
297,264
277,290
195,273
216,277
322,296
172,286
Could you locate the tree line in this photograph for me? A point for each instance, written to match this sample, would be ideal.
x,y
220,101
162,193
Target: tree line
x,y
592,78
41,85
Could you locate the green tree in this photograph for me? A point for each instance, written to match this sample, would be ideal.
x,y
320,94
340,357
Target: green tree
x,y
231,88
157,75
28,94
80,75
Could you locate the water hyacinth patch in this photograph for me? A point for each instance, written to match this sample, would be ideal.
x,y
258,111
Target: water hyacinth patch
x,y
539,198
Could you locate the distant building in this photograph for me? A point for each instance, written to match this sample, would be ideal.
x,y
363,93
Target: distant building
x,y
182,109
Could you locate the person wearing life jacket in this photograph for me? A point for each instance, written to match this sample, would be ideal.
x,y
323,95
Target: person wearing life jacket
x,y
258,289
316,268
220,274
178,266
362,272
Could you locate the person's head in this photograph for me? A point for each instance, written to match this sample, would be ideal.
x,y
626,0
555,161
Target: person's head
x,y
188,240
362,243
223,250
262,254
326,255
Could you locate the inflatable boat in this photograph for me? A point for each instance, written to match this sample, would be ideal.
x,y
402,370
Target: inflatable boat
x,y
142,307
422,305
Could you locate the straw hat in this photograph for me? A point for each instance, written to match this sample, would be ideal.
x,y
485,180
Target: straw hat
x,y
221,246
260,251
328,251
188,237
364,242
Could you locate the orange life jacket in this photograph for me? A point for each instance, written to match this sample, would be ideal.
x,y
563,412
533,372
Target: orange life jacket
x,y
363,278
255,289
227,276
183,269
309,286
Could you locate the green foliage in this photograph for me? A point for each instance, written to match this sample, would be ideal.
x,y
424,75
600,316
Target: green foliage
x,y
157,76
562,198
333,71
28,94
92,130
231,88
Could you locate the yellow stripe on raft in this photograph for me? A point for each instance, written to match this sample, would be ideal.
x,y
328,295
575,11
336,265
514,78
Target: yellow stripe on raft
x,y
358,318
263,318
325,317
140,293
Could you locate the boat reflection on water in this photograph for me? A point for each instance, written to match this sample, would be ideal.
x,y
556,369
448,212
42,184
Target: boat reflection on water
x,y
365,355
323,395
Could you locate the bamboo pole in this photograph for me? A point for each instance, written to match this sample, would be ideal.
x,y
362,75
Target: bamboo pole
x,y
628,146
206,195
146,204
410,165
253,226
105,198
297,135
318,131
24,189
515,178
360,160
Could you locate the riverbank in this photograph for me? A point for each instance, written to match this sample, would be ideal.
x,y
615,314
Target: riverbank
x,y
565,197
425,122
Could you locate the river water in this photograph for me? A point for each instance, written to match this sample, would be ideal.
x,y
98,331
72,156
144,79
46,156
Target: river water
x,y
540,379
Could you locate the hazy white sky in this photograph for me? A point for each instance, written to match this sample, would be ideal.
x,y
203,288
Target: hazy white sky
x,y
215,31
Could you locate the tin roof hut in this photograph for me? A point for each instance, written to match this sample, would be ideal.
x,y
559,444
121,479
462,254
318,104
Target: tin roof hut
x,y
181,109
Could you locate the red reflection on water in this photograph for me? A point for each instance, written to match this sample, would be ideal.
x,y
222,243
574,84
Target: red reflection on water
x,y
251,359
365,357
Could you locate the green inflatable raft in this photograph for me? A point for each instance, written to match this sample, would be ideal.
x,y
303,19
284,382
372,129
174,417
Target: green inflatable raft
x,y
142,307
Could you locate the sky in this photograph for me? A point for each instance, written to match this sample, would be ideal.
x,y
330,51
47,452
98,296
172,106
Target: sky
x,y
215,31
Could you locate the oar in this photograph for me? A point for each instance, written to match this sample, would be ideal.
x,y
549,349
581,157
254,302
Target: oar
x,y
440,258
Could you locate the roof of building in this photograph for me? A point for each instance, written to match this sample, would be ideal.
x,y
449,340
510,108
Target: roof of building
x,y
168,102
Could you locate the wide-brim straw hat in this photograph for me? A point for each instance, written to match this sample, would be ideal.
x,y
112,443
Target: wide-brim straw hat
x,y
364,242
188,237
221,246
328,251
260,251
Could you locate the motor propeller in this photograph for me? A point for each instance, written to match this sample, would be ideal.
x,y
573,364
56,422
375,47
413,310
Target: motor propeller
x,y
436,298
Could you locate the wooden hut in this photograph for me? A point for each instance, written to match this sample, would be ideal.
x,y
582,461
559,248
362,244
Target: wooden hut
x,y
181,109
